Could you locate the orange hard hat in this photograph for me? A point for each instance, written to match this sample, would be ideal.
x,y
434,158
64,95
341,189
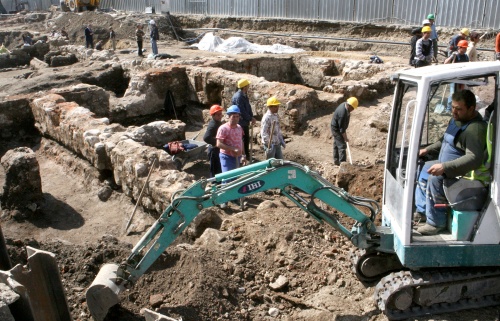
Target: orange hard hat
x,y
463,44
214,109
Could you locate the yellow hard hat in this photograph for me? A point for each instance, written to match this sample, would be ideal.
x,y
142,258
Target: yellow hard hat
x,y
465,31
273,101
353,101
426,29
243,83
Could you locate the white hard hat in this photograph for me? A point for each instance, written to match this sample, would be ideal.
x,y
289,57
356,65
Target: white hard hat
x,y
152,22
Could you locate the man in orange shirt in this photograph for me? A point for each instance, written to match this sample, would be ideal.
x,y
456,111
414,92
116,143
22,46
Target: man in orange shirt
x,y
497,47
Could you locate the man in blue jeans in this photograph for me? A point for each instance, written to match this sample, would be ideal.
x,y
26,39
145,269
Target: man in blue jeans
x,y
240,99
461,151
154,37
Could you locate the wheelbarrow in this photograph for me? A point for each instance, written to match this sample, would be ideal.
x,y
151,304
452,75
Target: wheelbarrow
x,y
185,156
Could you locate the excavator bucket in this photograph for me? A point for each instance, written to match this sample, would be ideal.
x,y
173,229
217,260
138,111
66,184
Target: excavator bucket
x,y
103,292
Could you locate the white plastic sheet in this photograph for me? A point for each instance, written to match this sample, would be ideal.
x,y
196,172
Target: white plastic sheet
x,y
237,45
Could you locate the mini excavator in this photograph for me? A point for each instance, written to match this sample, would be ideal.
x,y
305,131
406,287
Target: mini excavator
x,y
416,274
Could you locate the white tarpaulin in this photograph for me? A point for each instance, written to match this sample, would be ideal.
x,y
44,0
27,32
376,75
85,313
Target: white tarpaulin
x,y
236,45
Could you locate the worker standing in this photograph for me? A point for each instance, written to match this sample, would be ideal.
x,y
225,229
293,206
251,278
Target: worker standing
x,y
154,36
270,131
210,138
434,35
497,47
338,126
424,51
139,35
417,34
230,141
89,37
112,37
240,99
471,49
456,57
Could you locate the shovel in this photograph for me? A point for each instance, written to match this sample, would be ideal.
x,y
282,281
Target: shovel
x,y
349,153
250,157
241,199
140,197
440,107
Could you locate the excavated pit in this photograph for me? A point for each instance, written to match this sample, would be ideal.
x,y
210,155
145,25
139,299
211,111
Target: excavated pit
x,y
96,125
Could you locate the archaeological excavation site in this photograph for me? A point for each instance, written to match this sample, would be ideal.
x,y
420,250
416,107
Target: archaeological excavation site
x,y
88,186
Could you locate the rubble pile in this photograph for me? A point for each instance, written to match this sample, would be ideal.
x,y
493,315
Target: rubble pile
x,y
22,191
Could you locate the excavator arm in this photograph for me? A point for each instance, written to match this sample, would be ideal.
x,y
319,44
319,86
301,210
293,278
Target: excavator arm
x,y
301,185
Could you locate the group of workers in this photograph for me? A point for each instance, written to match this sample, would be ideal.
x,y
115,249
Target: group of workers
x,y
154,36
229,142
461,48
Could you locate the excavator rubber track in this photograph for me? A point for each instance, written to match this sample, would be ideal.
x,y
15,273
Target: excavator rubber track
x,y
409,294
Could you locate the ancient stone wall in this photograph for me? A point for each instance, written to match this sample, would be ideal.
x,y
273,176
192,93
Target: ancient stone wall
x,y
15,116
112,147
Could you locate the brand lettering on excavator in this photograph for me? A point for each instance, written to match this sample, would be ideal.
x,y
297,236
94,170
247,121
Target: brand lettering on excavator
x,y
250,187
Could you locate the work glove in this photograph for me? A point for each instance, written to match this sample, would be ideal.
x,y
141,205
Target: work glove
x,y
269,151
283,144
454,54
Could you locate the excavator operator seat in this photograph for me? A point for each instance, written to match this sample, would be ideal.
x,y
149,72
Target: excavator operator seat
x,y
466,198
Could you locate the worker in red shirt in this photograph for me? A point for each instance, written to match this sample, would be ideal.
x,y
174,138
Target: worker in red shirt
x,y
497,47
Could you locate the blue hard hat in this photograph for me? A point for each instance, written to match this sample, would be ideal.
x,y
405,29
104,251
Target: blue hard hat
x,y
233,110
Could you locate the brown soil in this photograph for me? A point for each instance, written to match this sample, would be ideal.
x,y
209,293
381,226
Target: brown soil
x,y
225,273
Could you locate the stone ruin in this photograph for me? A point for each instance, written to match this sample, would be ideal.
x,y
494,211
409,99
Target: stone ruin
x,y
91,122
22,192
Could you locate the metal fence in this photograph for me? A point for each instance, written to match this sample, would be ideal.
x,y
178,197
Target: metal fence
x,y
482,14
131,5
478,14
32,5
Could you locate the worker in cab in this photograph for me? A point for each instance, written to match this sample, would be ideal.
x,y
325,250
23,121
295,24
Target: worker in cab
x,y
338,126
270,130
461,152
210,138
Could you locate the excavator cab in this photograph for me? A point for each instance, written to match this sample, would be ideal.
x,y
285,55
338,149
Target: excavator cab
x,y
419,118
460,267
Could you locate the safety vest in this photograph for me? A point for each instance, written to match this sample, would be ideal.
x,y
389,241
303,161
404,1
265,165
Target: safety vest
x,y
483,174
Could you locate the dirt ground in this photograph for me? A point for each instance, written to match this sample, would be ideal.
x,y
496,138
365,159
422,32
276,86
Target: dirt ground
x,y
225,273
